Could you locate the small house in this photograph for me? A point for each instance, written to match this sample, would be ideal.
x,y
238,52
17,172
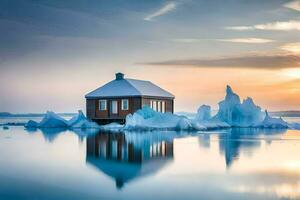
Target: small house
x,y
113,101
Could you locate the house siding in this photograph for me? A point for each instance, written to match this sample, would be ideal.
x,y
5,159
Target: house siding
x,y
169,107
90,108
135,103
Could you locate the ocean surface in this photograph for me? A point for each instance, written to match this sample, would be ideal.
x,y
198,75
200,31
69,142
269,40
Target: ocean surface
x,y
226,164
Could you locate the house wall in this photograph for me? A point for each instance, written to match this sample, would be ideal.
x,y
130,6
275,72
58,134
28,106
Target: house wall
x,y
135,103
93,111
169,103
90,108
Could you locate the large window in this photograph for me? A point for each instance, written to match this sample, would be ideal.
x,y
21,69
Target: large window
x,y
163,108
125,104
158,106
102,104
154,107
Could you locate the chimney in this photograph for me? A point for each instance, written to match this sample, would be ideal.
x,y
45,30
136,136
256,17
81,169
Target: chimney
x,y
119,76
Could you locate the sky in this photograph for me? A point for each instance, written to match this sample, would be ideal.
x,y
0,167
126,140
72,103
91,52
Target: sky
x,y
53,52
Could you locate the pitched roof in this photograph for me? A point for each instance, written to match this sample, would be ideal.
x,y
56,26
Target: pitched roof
x,y
129,87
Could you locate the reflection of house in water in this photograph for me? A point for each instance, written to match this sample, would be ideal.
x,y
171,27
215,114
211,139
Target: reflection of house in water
x,y
125,157
237,139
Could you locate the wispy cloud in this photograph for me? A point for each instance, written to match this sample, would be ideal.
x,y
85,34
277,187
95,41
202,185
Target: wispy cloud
x,y
163,10
259,61
274,26
247,40
295,5
292,47
235,40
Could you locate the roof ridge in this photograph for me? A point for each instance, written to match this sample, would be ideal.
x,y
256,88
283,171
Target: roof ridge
x,y
136,79
153,84
132,85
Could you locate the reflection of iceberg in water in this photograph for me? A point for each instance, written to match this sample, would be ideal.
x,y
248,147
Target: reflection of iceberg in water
x,y
204,140
84,133
126,157
51,133
237,139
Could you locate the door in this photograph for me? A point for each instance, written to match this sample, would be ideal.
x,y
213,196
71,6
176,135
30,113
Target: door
x,y
114,107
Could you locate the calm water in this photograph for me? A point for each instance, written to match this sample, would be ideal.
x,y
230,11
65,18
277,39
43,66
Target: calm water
x,y
228,164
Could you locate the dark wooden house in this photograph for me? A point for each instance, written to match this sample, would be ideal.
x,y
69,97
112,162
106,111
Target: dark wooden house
x,y
113,101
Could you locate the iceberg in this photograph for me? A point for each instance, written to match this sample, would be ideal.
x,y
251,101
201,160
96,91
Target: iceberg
x,y
76,119
52,120
203,113
295,126
203,118
214,124
81,122
31,124
271,122
148,119
113,127
235,113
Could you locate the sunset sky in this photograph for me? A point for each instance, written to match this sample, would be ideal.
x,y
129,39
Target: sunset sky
x,y
53,52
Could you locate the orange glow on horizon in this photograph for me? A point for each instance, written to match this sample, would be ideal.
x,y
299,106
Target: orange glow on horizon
x,y
270,89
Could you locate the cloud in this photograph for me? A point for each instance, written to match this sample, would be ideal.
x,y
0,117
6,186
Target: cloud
x,y
259,61
273,26
247,40
291,47
235,40
239,28
295,5
163,10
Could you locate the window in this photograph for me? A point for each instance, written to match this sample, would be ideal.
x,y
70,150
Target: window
x,y
125,104
114,107
158,106
102,105
163,108
154,106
